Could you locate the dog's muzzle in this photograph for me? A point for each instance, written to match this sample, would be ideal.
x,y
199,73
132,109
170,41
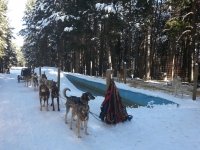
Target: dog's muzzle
x,y
91,97
84,117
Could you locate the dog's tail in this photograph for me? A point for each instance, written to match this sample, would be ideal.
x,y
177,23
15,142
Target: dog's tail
x,y
64,92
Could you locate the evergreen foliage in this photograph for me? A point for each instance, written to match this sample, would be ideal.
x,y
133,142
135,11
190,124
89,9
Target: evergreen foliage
x,y
74,34
7,51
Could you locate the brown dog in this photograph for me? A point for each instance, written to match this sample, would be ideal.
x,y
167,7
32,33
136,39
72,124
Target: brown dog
x,y
73,100
47,82
79,107
42,78
82,112
44,94
35,82
28,79
120,75
55,94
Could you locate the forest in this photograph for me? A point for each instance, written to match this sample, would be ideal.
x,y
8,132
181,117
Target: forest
x,y
8,50
152,37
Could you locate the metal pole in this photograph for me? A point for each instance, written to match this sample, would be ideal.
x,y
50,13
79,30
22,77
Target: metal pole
x,y
85,70
195,81
124,72
40,70
59,78
90,68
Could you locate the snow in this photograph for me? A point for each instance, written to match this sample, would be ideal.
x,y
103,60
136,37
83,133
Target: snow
x,y
23,126
107,8
68,29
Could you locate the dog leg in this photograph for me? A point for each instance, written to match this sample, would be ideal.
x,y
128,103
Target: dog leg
x,y
40,103
85,126
78,124
71,123
44,103
47,109
181,88
175,90
82,125
67,111
52,104
58,104
72,117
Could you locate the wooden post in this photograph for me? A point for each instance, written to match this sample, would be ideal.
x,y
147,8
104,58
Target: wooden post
x,y
195,81
85,70
108,78
59,78
124,72
40,70
90,68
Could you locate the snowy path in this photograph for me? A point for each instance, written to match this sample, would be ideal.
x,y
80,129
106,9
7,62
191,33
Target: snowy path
x,y
24,127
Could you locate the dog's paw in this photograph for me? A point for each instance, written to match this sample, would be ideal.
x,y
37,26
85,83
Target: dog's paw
x,y
79,136
87,133
70,128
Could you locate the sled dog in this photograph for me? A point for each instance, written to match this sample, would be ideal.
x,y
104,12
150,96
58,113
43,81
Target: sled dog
x,y
177,85
44,95
79,107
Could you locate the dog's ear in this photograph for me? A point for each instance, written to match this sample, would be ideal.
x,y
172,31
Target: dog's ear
x,y
84,96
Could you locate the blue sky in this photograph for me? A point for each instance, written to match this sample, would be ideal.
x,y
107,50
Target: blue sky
x,y
15,13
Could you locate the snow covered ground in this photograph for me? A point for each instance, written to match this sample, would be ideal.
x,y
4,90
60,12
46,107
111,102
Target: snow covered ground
x,y
24,127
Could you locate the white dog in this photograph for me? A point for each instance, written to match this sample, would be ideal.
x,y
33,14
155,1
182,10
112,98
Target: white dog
x,y
176,85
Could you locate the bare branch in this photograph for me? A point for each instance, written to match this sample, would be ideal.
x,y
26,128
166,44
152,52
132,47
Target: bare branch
x,y
190,13
165,30
191,27
187,31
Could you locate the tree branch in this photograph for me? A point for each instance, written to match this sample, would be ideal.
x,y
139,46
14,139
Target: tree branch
x,y
190,13
187,31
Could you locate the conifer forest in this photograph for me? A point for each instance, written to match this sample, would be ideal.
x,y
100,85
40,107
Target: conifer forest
x,y
152,37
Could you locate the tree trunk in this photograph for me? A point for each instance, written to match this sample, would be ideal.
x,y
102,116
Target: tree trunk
x,y
148,47
192,47
108,46
173,49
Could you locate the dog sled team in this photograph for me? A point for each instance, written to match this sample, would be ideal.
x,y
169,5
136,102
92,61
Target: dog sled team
x,y
79,105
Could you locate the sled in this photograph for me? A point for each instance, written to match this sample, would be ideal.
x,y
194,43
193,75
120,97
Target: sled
x,y
24,73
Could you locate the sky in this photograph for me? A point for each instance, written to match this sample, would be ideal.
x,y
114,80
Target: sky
x,y
15,13
163,127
